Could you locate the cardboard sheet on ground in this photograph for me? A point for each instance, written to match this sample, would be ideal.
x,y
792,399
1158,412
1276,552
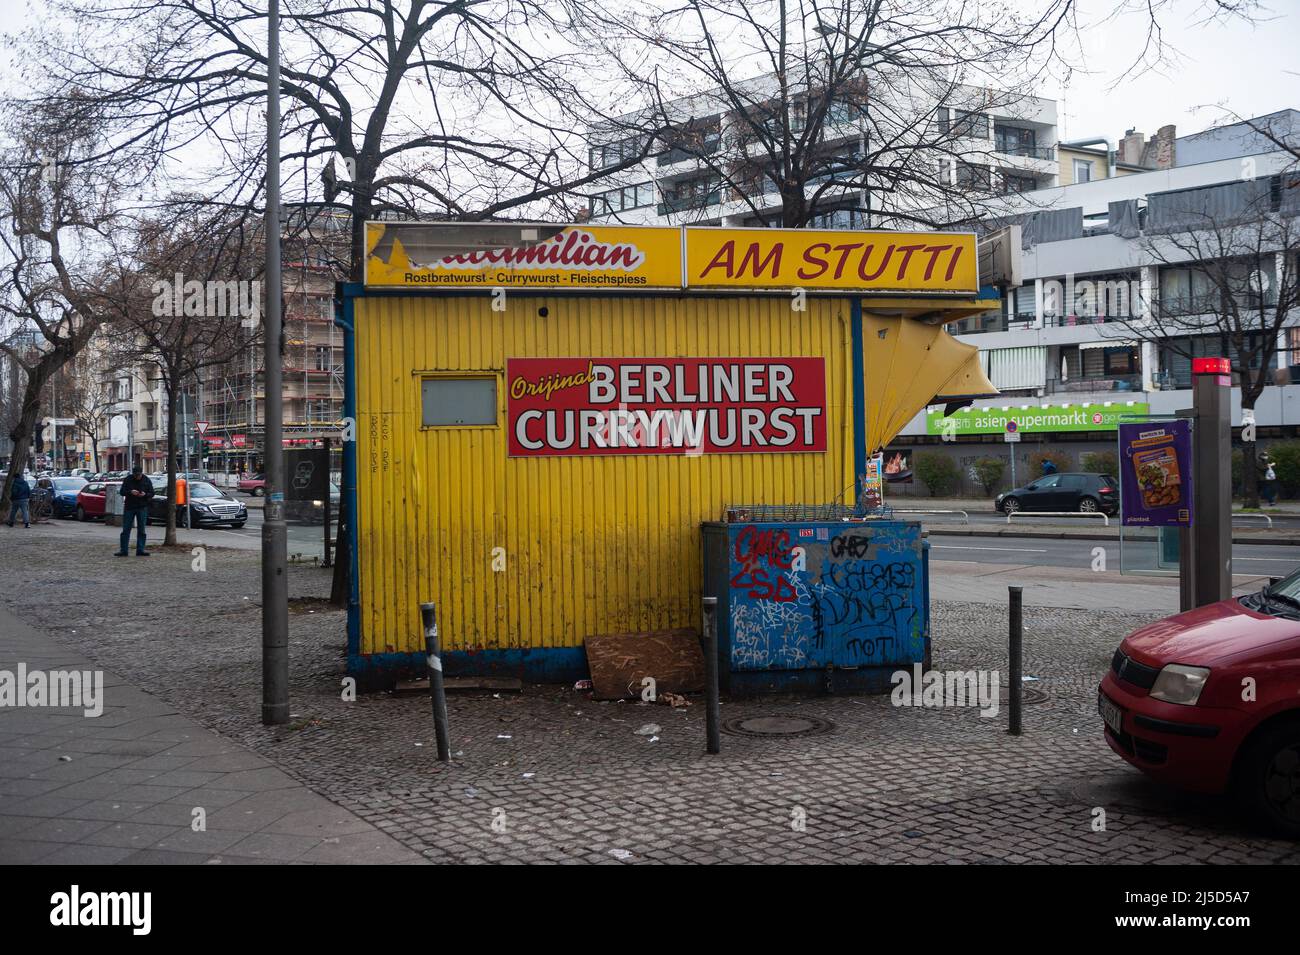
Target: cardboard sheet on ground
x,y
620,661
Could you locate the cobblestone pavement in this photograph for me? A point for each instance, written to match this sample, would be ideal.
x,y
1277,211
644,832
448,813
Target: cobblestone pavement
x,y
570,780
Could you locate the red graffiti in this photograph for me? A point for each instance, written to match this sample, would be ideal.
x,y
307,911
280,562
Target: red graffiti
x,y
762,556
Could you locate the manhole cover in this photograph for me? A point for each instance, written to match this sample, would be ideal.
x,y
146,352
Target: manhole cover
x,y
780,725
1028,695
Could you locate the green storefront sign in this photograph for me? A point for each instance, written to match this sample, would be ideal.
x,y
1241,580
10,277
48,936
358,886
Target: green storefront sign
x,y
1035,419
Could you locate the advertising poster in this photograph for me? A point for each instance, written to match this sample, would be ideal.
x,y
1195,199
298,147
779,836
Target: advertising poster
x,y
1156,473
897,465
873,483
567,406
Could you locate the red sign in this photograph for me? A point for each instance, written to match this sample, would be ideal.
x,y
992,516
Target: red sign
x,y
573,406
236,440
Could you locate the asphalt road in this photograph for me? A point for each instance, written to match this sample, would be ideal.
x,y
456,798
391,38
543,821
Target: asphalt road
x,y
1249,560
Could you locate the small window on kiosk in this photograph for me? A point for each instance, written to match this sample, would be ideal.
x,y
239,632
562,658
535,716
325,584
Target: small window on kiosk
x,y
450,402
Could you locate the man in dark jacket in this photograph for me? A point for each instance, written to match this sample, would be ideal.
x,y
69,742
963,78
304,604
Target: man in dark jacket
x,y
20,496
136,492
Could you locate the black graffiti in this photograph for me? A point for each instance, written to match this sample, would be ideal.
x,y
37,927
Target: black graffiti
x,y
851,545
869,601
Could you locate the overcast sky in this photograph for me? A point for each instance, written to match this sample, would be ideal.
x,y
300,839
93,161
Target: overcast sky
x,y
1250,69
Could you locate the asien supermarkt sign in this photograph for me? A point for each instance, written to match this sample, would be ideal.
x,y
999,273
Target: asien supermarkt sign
x,y
1083,416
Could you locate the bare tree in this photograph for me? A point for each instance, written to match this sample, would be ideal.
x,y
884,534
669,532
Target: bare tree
x,y
192,306
874,107
1229,285
462,109
56,257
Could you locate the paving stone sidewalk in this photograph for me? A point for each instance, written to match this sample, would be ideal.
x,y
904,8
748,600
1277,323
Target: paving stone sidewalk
x,y
123,786
551,775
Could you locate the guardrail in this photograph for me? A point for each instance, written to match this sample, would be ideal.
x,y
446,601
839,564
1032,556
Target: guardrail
x,y
1236,514
965,516
1104,517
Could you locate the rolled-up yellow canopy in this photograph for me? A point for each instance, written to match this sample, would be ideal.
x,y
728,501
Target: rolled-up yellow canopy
x,y
910,364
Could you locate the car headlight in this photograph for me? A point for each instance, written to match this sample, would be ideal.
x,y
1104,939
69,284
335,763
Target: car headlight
x,y
1180,684
200,506
317,503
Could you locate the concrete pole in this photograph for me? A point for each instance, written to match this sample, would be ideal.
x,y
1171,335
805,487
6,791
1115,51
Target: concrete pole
x,y
275,584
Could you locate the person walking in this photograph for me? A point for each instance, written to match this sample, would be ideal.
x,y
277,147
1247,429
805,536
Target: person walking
x,y
136,492
1268,487
20,498
1049,467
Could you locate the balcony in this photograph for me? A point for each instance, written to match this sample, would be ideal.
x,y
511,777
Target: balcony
x,y
684,203
1074,386
1046,153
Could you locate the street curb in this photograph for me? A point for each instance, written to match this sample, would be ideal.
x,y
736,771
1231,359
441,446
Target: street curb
x,y
1081,536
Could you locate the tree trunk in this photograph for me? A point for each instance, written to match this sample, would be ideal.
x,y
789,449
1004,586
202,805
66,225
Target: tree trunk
x,y
21,435
170,539
1249,469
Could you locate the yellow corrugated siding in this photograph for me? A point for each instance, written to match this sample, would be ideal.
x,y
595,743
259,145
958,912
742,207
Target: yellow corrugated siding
x,y
593,544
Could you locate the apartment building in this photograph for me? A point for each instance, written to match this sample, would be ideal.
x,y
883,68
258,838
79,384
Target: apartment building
x,y
232,398
1094,268
919,140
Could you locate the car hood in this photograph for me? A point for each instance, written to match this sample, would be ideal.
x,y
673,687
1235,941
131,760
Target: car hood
x,y
1215,633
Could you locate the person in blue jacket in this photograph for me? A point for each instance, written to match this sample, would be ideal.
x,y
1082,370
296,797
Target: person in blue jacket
x,y
20,497
1048,467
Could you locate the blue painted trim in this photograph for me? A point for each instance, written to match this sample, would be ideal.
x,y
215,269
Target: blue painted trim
x,y
345,318
538,665
989,291
859,400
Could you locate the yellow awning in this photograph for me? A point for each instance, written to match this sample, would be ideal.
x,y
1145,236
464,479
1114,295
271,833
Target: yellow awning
x,y
910,364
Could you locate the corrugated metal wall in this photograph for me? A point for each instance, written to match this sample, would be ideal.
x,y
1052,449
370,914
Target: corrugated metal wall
x,y
590,544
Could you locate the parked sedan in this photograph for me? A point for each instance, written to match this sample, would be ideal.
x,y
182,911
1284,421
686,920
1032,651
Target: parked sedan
x,y
1209,700
1063,492
254,485
209,506
64,492
92,499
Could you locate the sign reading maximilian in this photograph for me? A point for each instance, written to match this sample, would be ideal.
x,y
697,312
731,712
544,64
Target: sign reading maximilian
x,y
572,406
1084,416
473,255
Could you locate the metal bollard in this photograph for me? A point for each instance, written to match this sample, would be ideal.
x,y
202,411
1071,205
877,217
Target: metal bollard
x,y
711,705
429,614
1016,650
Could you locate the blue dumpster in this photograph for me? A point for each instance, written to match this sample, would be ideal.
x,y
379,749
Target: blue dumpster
x,y
831,606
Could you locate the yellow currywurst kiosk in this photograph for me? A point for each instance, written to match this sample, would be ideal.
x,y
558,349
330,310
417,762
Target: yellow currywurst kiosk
x,y
543,416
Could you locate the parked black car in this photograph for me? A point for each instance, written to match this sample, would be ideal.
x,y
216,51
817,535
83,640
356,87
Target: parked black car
x,y
209,507
1068,491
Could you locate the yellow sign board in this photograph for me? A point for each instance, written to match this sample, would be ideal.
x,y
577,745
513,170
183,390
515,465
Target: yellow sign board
x,y
841,261
502,255
538,255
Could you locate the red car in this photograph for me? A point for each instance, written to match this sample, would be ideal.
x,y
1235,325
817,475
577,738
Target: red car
x,y
1210,700
254,485
90,499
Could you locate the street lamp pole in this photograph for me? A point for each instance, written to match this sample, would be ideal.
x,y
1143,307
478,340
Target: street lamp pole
x,y
275,593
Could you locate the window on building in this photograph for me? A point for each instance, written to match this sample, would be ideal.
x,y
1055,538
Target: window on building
x,y
972,176
613,201
960,123
694,193
839,219
324,358
1121,361
150,417
605,155
1015,140
451,402
1083,170
1011,183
